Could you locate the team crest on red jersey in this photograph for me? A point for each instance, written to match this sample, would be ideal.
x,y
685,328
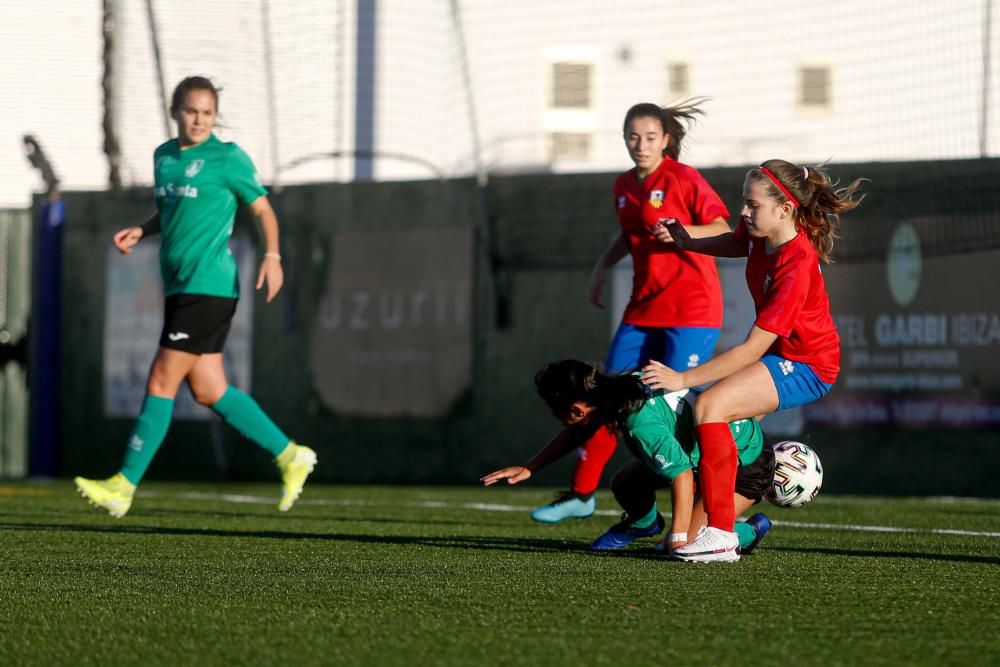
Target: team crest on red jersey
x,y
656,198
767,283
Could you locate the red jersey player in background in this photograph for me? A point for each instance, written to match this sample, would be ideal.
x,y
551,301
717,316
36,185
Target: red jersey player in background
x,y
675,312
791,355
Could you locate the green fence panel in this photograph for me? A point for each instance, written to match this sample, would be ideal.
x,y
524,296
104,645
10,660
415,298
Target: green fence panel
x,y
476,410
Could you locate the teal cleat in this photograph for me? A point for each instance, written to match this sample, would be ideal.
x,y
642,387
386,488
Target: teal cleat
x,y
565,506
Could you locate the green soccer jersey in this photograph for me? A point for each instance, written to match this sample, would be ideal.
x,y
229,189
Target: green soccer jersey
x,y
662,435
197,191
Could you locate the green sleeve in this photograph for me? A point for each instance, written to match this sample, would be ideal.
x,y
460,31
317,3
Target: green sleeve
x,y
242,176
660,450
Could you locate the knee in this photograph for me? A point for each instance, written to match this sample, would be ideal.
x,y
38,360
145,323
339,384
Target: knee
x,y
160,384
207,394
619,482
624,479
709,410
703,409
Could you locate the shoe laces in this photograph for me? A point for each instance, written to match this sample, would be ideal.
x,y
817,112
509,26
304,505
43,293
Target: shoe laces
x,y
712,538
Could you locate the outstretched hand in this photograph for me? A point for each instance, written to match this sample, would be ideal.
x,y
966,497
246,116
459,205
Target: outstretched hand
x,y
272,275
657,376
670,230
513,475
125,239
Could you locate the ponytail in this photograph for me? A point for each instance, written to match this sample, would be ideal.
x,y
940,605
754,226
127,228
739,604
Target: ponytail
x,y
818,203
675,120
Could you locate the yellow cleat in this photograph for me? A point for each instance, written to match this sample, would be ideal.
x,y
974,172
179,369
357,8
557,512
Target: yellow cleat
x,y
114,494
295,467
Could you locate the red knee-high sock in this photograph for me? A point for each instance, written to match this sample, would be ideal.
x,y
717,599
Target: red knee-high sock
x,y
593,456
717,473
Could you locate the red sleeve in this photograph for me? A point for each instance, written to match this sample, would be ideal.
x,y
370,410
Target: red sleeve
x,y
705,203
785,296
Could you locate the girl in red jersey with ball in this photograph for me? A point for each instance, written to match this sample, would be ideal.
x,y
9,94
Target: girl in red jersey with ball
x,y
675,312
791,355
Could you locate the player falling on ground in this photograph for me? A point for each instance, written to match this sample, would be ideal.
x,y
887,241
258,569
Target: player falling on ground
x,y
658,428
199,182
675,311
792,354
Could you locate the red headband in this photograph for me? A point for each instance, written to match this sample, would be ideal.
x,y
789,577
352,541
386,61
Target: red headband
x,y
774,179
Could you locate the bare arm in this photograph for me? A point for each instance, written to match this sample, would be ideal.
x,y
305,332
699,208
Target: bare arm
x,y
614,254
270,272
658,376
682,498
616,251
715,239
562,444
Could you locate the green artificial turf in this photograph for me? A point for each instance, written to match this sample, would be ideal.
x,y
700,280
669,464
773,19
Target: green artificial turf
x,y
353,575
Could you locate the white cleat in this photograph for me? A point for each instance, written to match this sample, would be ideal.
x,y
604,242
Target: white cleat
x,y
712,545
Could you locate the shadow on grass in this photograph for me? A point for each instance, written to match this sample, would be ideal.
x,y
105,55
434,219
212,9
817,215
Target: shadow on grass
x,y
859,553
501,543
650,554
450,541
272,515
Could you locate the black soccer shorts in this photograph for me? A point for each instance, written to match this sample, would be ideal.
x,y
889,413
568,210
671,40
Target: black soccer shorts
x,y
196,323
753,479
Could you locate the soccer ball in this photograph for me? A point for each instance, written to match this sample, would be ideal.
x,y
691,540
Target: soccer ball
x,y
798,475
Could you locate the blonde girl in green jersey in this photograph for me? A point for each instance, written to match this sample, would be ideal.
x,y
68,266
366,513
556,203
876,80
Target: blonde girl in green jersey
x,y
199,183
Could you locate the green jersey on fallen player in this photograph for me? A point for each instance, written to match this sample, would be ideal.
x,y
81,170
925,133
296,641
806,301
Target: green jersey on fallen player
x,y
197,191
662,434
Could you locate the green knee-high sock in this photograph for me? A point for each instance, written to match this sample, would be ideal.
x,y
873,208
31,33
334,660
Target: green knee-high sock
x,y
746,534
646,520
240,411
150,428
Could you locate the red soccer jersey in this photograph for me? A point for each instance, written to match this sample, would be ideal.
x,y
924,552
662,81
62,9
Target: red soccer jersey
x,y
790,297
670,288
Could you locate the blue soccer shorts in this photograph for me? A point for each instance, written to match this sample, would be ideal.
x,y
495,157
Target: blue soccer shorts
x,y
680,348
796,381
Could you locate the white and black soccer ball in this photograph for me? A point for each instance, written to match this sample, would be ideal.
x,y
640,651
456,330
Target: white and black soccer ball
x,y
798,475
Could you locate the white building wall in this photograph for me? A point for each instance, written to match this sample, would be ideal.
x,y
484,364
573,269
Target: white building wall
x,y
313,90
907,75
50,75
907,82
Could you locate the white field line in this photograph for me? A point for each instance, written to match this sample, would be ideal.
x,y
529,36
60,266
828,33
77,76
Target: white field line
x,y
495,507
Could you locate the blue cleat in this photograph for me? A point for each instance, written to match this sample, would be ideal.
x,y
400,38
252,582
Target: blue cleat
x,y
565,506
622,534
760,524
